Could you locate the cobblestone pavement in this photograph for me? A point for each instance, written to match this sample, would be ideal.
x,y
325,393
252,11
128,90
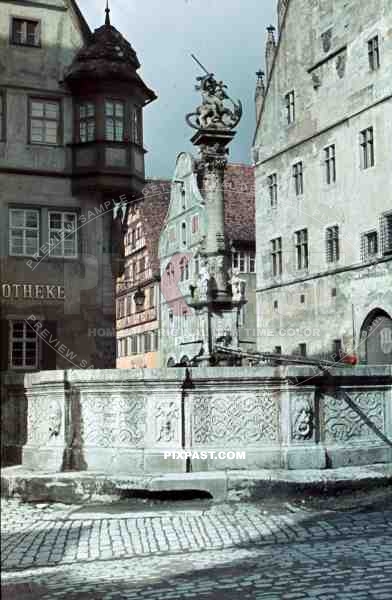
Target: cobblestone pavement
x,y
234,552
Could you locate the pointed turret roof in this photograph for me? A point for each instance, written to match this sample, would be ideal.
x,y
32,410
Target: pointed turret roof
x,y
107,56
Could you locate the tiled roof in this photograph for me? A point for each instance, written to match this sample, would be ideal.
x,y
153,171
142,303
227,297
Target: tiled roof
x,y
239,185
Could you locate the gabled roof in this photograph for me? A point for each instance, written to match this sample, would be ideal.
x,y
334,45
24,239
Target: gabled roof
x,y
83,23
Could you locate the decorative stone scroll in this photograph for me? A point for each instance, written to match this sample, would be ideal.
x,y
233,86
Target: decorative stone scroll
x,y
342,422
243,418
113,420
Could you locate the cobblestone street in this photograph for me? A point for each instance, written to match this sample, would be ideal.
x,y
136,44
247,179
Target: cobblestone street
x,y
195,551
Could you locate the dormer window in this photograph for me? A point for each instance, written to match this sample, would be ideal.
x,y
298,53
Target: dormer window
x,y
114,121
26,33
87,122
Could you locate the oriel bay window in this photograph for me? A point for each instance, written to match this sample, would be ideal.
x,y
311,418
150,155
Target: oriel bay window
x,y
44,119
114,121
86,122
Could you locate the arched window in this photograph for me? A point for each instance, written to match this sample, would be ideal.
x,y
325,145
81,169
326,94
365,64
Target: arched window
x,y
184,268
375,344
183,234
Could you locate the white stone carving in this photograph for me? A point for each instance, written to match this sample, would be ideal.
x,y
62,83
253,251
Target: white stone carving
x,y
167,422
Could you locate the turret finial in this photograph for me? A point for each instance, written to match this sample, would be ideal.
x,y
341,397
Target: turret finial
x,y
107,11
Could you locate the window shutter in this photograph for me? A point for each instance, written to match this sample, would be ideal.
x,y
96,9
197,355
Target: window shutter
x,y
37,34
48,351
4,344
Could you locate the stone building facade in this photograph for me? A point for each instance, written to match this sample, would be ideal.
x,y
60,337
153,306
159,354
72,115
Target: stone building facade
x,y
182,237
323,162
138,290
71,154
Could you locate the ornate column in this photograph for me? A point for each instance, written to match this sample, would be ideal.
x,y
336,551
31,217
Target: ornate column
x,y
218,293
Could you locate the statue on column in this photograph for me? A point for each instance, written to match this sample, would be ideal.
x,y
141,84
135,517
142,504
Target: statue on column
x,y
213,112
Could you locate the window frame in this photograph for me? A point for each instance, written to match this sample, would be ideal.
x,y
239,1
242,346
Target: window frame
x,y
24,341
302,249
374,52
386,233
63,213
37,22
24,228
86,120
114,101
330,164
276,253
365,239
59,121
298,177
272,181
137,125
290,107
332,244
368,159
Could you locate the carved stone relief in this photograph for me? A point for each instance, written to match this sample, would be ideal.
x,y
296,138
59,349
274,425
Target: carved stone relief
x,y
44,420
242,418
302,418
113,420
167,424
341,64
343,422
326,39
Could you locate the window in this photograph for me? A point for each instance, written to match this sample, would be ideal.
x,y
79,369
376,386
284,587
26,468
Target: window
x,y
155,341
374,53
302,299
129,305
252,262
184,268
330,164
336,349
290,107
44,120
114,121
276,256
367,148
62,234
24,346
369,245
301,245
386,233
2,116
332,244
120,308
196,262
86,122
170,271
24,232
239,261
26,33
302,350
276,305
183,234
183,198
195,223
147,342
137,126
298,178
273,189
142,264
134,345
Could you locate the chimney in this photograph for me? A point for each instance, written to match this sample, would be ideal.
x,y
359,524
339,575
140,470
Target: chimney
x,y
260,93
270,49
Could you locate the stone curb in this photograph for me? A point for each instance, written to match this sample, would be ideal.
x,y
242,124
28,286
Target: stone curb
x,y
82,487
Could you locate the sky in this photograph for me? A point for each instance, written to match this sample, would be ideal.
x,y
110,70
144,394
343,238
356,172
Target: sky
x,y
227,36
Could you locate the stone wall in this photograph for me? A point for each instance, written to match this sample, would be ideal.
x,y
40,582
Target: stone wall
x,y
122,422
